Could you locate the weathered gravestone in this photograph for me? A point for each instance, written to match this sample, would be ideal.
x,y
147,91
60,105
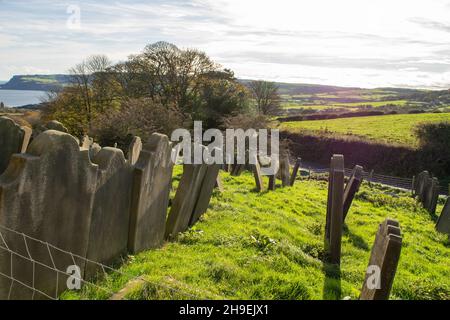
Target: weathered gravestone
x,y
257,174
150,195
421,181
431,195
134,150
94,149
111,212
273,177
86,142
205,193
185,198
297,165
284,169
383,262
57,126
443,224
352,188
13,139
335,207
48,194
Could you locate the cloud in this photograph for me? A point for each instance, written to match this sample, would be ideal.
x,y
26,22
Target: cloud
x,y
370,44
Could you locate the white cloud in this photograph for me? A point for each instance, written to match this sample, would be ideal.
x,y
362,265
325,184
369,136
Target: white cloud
x,y
348,42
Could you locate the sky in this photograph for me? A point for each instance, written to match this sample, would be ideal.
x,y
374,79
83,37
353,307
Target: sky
x,y
361,43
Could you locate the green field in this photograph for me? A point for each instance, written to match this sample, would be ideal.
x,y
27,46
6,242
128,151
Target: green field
x,y
323,106
392,129
270,246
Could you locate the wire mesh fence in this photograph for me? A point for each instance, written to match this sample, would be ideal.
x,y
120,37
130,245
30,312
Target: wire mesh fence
x,y
32,269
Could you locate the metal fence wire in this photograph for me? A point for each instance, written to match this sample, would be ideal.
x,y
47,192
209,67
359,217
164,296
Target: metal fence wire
x,y
397,182
31,269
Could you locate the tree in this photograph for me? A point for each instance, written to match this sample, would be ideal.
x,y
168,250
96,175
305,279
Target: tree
x,y
96,88
266,96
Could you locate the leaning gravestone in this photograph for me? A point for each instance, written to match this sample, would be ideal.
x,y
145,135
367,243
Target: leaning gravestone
x,y
48,194
110,216
335,207
134,150
185,198
295,171
150,195
383,262
13,139
443,224
205,194
56,125
352,188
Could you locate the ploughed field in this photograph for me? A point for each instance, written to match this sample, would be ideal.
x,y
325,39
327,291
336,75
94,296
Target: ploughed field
x,y
390,129
253,245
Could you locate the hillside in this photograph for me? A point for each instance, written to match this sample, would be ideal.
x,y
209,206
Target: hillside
x,y
391,129
270,246
36,82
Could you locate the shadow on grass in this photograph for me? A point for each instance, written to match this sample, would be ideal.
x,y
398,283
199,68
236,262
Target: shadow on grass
x,y
332,288
356,240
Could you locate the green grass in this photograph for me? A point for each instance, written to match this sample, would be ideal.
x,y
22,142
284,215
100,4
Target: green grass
x,y
270,246
392,129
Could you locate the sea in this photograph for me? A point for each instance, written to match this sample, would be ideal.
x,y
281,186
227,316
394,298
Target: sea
x,y
18,98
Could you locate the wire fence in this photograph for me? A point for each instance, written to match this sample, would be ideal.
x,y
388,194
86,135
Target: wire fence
x,y
33,269
372,177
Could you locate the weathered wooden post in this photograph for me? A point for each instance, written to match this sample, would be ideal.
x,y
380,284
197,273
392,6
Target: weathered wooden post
x,y
335,207
383,262
295,171
443,224
352,188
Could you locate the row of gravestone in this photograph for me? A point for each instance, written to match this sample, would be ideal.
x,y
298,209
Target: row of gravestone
x,y
91,202
387,246
281,170
426,190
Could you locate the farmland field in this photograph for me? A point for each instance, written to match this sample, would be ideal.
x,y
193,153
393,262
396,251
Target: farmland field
x,y
392,129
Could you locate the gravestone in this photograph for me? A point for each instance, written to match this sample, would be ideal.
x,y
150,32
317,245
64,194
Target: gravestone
x,y
185,198
297,165
421,181
443,224
273,177
48,194
257,174
94,149
134,150
13,139
352,188
150,195
431,195
284,169
111,212
206,190
56,125
335,207
383,262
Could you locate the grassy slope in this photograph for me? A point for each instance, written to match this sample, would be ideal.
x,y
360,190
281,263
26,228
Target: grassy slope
x,y
269,246
396,129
